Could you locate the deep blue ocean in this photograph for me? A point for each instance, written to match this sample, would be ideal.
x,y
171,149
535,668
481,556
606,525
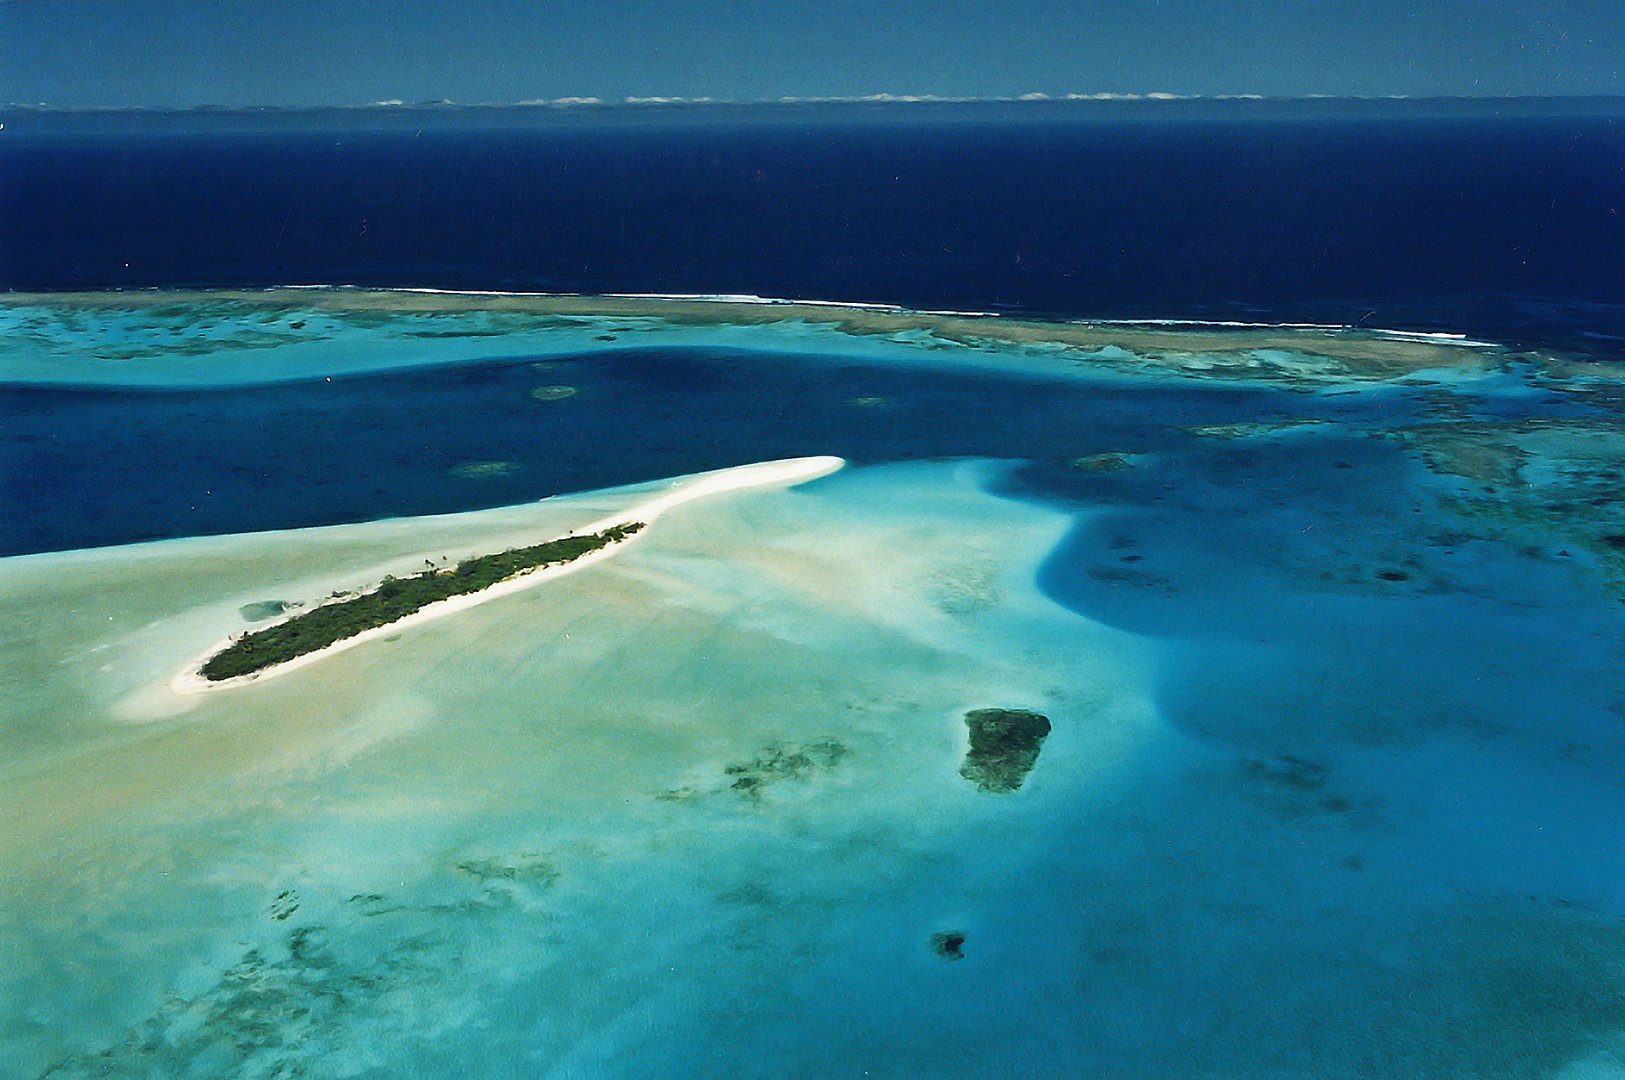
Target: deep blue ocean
x,y
1509,229
90,467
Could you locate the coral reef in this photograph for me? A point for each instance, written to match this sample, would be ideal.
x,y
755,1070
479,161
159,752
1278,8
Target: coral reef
x,y
1004,746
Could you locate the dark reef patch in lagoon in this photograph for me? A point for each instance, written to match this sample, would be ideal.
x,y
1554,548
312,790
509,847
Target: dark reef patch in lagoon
x,y
948,944
1004,747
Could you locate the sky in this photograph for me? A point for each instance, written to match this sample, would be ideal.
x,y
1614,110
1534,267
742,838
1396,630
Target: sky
x,y
181,53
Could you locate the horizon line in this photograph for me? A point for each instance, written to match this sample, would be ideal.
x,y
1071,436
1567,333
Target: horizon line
x,y
645,101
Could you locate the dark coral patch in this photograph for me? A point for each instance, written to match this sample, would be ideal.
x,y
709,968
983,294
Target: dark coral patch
x,y
1004,746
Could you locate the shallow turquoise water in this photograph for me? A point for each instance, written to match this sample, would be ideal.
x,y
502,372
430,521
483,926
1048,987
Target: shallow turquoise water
x,y
1331,659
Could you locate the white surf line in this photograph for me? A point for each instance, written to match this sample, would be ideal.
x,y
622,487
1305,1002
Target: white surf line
x,y
1427,336
190,679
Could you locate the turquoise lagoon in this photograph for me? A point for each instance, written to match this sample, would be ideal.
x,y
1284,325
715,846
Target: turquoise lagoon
x,y
1326,625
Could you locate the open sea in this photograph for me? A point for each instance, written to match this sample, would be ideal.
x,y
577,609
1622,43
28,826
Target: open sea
x,y
1209,660
1495,219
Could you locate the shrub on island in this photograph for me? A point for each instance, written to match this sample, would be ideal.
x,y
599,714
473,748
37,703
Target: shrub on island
x,y
394,599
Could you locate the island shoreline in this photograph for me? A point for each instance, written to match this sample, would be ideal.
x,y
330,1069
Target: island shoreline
x,y
190,679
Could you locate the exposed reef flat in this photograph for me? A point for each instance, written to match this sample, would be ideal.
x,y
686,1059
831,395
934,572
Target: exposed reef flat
x,y
234,336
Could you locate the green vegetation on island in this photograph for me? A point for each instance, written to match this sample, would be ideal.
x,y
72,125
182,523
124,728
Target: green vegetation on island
x,y
394,599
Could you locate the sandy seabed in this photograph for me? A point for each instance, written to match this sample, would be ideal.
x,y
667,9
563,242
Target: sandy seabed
x,y
548,785
696,810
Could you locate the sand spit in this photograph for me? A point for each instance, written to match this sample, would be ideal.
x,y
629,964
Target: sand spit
x,y
761,474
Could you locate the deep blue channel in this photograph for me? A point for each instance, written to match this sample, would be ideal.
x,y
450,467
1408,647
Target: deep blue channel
x,y
86,468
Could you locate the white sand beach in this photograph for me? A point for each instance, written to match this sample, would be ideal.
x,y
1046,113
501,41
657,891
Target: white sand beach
x,y
191,681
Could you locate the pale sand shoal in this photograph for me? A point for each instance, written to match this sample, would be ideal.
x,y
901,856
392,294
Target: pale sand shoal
x,y
765,614
760,474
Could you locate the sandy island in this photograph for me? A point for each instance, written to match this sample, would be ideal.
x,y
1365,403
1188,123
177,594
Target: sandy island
x,y
190,679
